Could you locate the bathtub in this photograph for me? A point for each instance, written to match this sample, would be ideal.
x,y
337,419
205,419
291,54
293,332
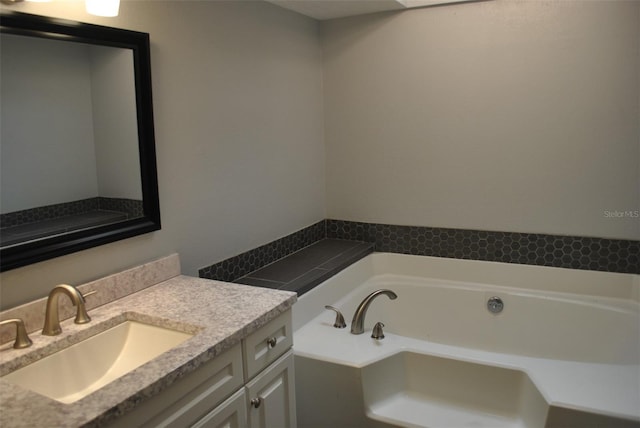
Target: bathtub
x,y
565,345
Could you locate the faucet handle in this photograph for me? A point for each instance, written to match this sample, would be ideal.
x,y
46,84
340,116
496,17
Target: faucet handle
x,y
88,293
22,338
339,322
377,332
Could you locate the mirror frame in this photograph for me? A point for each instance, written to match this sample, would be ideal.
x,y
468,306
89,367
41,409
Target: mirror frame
x,y
53,28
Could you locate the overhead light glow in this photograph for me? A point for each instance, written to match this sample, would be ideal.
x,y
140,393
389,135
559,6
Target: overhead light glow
x,y
103,7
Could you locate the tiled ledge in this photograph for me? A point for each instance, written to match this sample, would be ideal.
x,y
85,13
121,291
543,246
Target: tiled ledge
x,y
573,252
304,269
26,225
238,266
41,229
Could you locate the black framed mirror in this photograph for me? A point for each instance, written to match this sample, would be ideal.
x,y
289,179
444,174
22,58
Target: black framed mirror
x,y
77,141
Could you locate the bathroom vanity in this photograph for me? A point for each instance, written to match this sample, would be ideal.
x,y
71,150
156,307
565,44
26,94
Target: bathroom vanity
x,y
256,375
235,369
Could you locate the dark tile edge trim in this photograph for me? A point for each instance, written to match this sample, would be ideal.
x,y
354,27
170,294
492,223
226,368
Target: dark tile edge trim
x,y
574,252
235,267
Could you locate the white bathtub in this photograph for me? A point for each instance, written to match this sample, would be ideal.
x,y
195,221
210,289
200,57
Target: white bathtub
x,y
575,335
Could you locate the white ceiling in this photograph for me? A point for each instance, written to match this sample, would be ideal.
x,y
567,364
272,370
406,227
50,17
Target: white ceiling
x,y
329,9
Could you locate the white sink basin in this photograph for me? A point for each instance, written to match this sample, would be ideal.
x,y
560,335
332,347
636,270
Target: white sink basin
x,y
77,371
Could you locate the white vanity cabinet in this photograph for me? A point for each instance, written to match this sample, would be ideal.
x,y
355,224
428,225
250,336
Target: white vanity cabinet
x,y
271,396
250,385
230,414
268,401
269,391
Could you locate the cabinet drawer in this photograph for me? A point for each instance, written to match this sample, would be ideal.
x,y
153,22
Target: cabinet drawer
x,y
266,344
190,398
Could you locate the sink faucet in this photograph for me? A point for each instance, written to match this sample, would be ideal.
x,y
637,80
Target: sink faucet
x,y
357,325
52,318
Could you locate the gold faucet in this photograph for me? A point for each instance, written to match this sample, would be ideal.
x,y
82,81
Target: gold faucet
x,y
22,338
52,318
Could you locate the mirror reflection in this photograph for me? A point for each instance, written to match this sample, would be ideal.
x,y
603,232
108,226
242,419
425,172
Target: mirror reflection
x,y
69,155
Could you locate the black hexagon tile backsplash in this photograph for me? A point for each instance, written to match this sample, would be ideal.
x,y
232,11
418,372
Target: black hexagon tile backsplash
x,y
612,255
575,252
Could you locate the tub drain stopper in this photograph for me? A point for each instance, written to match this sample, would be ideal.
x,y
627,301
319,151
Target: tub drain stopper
x,y
495,305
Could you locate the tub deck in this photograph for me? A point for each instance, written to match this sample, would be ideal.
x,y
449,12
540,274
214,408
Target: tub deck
x,y
608,389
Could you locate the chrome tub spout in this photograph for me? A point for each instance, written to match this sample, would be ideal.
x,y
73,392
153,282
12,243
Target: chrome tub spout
x,y
357,325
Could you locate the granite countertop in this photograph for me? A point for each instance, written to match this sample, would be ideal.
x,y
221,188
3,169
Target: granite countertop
x,y
220,314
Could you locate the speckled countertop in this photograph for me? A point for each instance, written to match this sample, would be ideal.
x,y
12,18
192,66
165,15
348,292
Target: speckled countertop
x,y
220,315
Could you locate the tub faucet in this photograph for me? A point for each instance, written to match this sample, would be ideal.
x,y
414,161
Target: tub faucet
x,y
52,318
339,322
357,325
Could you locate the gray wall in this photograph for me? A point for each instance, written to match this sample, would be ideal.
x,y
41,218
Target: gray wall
x,y
499,115
115,128
52,162
238,120
517,116
68,123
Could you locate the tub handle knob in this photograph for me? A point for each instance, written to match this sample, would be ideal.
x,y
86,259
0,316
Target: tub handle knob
x,y
339,322
377,333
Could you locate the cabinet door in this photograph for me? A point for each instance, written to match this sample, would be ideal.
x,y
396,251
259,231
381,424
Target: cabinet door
x,y
230,414
271,396
191,397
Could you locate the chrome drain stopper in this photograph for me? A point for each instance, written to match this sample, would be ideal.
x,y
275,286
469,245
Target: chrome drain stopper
x,y
495,305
